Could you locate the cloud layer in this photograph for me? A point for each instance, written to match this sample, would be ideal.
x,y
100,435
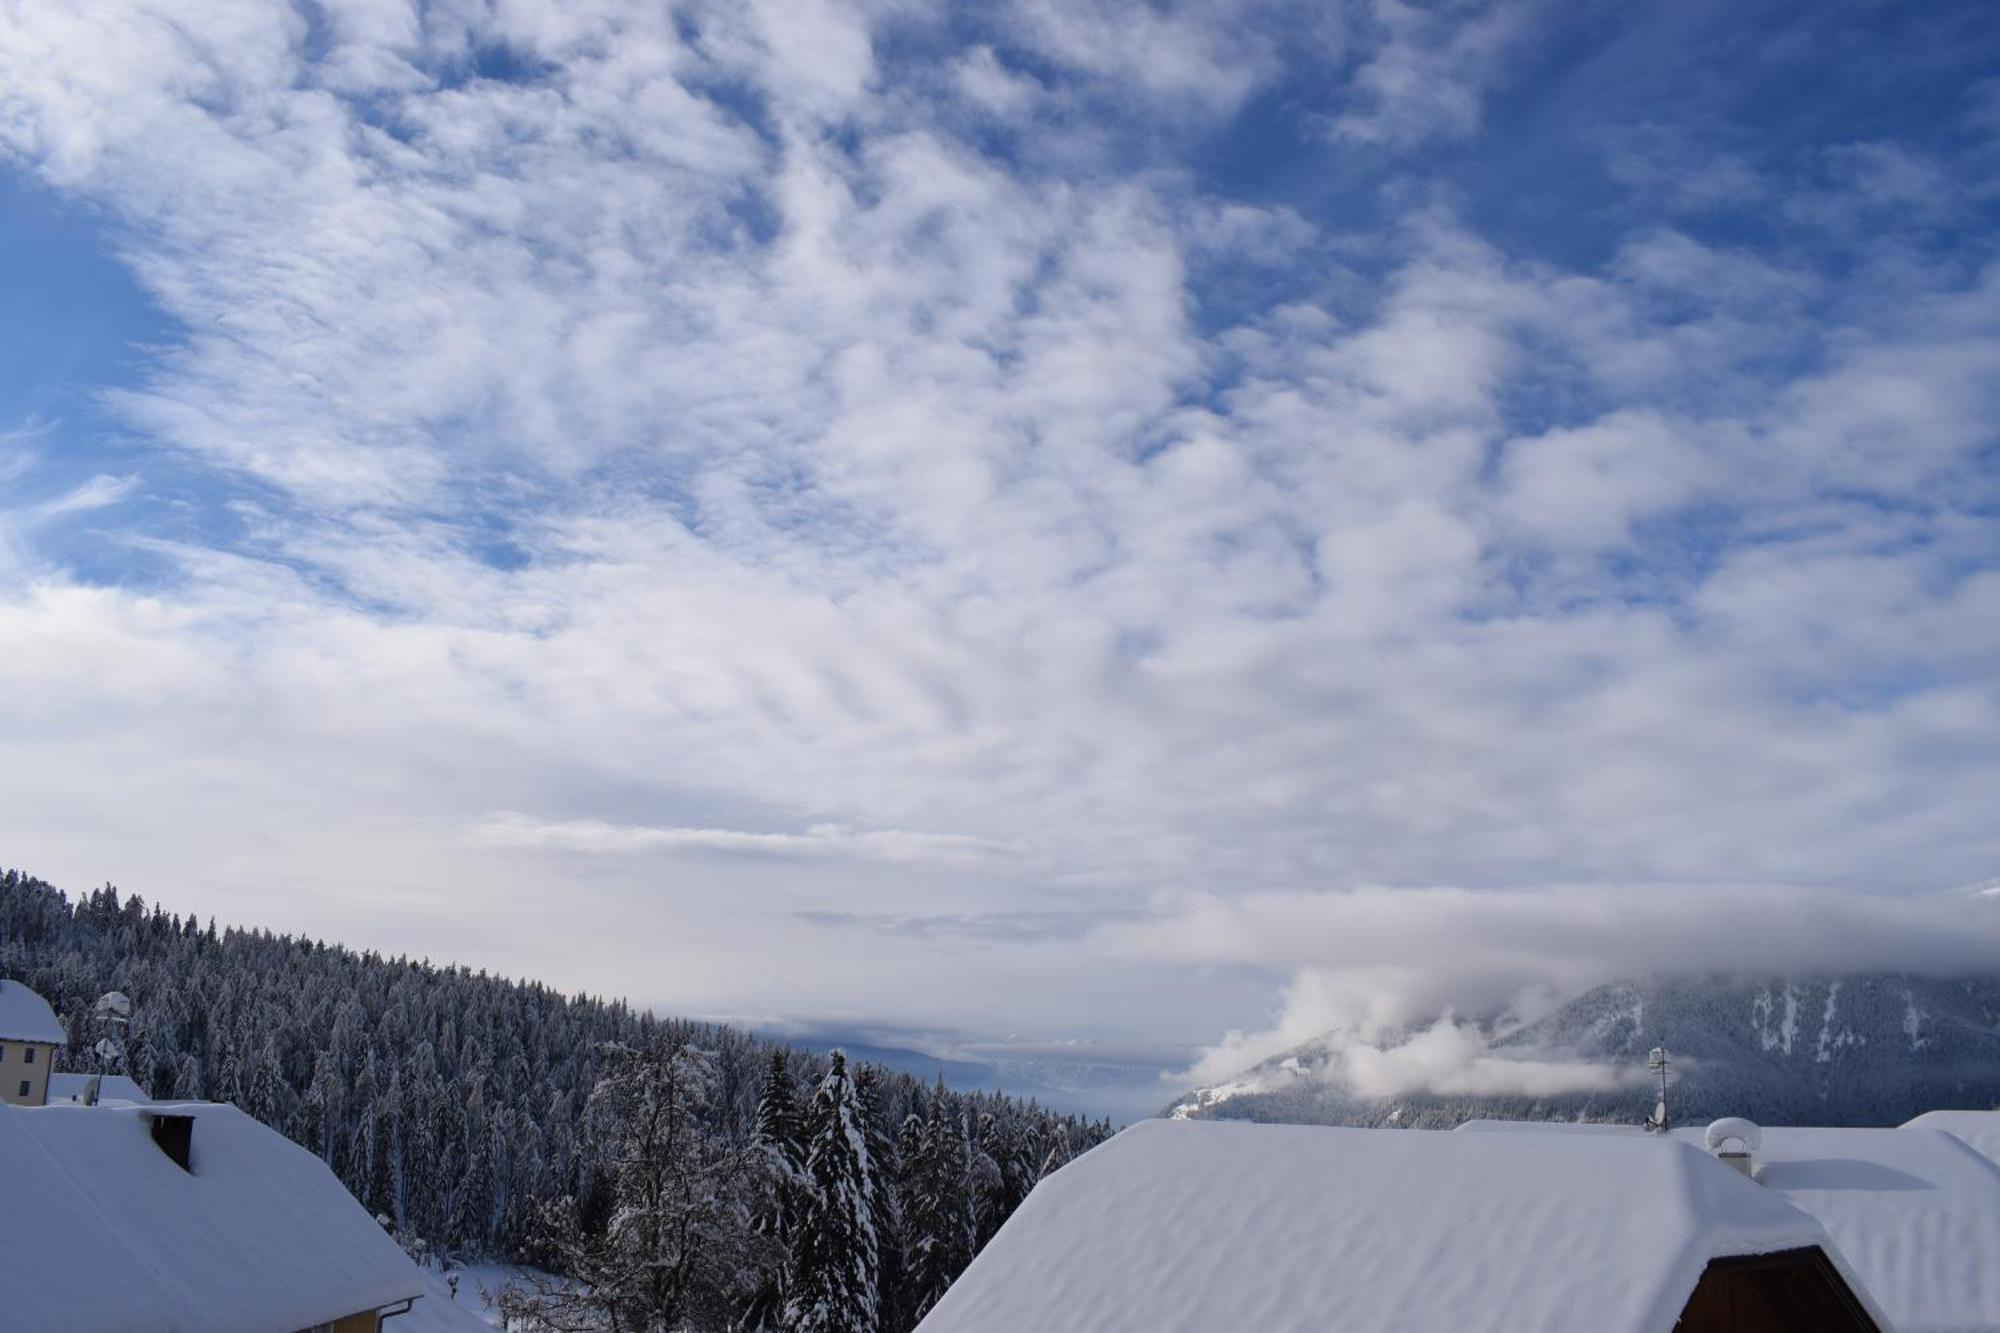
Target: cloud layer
x,y
738,471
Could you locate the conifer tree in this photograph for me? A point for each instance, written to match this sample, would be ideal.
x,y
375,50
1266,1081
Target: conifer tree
x,y
780,1139
884,1206
835,1273
457,1104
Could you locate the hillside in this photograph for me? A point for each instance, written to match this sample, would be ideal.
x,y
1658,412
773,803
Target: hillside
x,y
1858,1050
460,1105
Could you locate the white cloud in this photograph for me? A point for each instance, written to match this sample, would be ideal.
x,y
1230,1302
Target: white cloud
x,y
1428,72
1452,1059
596,836
915,517
1369,964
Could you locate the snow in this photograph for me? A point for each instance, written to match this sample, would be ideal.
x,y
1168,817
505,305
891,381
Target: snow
x,y
440,1312
1788,1029
68,1088
1913,1211
1913,1020
1979,1130
1829,1040
258,1236
26,1016
1200,1225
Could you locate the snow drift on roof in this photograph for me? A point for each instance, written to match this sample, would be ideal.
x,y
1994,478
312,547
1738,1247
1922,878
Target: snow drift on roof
x,y
69,1088
1914,1212
26,1016
258,1236
1979,1130
1205,1225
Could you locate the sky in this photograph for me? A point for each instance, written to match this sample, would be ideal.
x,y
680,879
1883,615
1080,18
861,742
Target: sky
x,y
1151,529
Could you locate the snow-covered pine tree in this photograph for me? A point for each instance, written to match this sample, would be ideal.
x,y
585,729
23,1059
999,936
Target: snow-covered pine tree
x,y
343,1038
835,1272
939,1195
884,1171
784,1188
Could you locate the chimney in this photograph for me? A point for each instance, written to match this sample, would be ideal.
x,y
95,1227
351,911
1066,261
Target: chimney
x,y
175,1135
1735,1140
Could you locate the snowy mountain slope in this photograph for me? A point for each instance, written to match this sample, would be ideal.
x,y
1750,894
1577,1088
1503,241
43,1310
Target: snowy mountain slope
x,y
1859,1050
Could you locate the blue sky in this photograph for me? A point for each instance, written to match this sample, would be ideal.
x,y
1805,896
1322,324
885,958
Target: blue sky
x,y
1032,522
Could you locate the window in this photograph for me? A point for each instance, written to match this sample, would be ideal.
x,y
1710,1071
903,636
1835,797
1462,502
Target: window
x,y
24,1087
29,1057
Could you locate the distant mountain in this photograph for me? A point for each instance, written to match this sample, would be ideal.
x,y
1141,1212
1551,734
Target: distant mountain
x,y
1857,1050
1077,1080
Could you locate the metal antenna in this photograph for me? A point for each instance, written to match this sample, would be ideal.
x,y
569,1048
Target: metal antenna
x,y
1656,1063
114,1011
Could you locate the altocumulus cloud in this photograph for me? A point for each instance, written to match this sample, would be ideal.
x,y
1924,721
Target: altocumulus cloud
x,y
594,835
816,463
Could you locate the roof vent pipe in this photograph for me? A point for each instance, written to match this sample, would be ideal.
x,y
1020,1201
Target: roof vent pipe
x,y
1736,1141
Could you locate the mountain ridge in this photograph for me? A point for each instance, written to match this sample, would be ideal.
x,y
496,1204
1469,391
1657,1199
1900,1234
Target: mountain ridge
x,y
1861,1049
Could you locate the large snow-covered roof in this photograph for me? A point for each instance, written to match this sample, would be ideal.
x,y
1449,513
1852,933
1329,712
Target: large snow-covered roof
x,y
1915,1212
1980,1130
1204,1225
26,1016
107,1233
69,1088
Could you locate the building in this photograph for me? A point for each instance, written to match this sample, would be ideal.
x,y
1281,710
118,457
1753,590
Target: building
x,y
184,1218
29,1038
1914,1211
72,1089
1978,1130
1195,1226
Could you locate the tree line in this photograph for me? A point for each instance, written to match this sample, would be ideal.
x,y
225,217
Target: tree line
x,y
667,1175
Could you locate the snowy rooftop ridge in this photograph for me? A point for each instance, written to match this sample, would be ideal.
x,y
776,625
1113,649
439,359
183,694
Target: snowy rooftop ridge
x,y
70,1088
1914,1211
1978,1130
26,1016
258,1235
1200,1225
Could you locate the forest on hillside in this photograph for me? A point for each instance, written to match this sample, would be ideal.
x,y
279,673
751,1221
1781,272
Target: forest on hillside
x,y
678,1174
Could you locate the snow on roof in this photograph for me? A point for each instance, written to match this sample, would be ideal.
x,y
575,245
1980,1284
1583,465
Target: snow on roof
x,y
26,1016
1542,1126
1203,1225
69,1088
1914,1212
115,1236
1978,1130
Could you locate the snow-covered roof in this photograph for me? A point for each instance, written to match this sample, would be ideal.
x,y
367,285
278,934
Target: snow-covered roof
x,y
116,1088
1204,1225
26,1016
258,1236
1979,1130
1542,1126
1915,1212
